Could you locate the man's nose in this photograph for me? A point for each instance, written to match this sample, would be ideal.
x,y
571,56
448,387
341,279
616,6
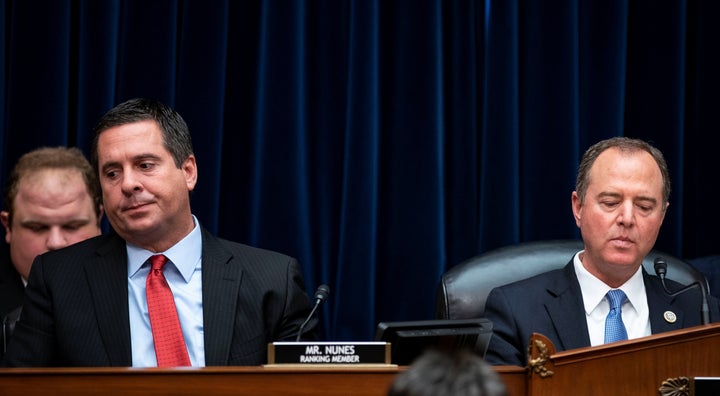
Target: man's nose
x,y
626,216
56,239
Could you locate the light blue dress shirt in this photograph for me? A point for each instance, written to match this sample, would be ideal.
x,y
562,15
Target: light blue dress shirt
x,y
184,275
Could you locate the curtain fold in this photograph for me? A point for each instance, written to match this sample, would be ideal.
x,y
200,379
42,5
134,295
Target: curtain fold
x,y
207,25
95,70
498,163
382,142
355,268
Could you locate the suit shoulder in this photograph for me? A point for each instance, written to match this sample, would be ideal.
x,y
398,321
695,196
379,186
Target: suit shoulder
x,y
541,280
243,250
86,248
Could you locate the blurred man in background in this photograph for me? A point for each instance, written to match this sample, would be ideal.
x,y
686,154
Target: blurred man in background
x,y
52,200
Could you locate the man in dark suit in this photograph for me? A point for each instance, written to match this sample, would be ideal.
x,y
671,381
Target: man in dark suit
x,y
11,285
12,290
52,200
621,198
87,305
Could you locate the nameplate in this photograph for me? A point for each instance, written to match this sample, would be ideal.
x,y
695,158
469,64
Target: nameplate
x,y
329,353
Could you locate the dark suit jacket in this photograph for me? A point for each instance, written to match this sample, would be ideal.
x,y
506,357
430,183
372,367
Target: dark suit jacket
x,y
76,308
551,304
11,285
12,291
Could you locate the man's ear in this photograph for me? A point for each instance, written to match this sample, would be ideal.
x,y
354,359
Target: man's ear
x,y
5,220
664,211
189,168
101,212
576,207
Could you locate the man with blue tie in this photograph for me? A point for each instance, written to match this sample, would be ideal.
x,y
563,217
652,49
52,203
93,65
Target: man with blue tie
x,y
159,290
603,294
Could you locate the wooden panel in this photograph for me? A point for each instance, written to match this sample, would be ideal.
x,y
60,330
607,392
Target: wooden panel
x,y
215,381
634,367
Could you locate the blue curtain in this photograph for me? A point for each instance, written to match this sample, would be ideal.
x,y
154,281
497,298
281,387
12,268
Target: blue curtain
x,y
382,142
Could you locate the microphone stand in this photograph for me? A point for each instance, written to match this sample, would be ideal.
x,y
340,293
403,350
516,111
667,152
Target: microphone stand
x,y
320,295
661,271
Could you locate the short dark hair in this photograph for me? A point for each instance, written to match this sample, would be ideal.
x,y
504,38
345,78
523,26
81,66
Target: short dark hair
x,y
448,372
175,132
624,144
51,158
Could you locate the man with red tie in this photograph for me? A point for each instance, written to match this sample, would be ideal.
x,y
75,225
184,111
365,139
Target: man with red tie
x,y
160,290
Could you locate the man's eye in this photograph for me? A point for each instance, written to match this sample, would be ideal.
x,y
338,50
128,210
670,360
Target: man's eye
x,y
111,174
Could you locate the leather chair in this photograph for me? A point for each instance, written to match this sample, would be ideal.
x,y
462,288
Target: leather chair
x,y
463,289
710,267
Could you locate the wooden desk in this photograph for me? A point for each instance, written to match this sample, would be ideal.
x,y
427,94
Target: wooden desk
x,y
661,364
216,381
640,366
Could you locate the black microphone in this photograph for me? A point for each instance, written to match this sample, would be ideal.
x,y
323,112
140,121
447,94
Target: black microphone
x,y
661,271
321,294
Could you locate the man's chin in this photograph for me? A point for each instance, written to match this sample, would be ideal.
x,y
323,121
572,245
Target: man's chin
x,y
625,259
138,228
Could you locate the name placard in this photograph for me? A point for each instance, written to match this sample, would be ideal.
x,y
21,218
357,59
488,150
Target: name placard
x,y
329,353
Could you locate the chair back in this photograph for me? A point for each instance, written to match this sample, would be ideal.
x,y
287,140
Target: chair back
x,y
710,267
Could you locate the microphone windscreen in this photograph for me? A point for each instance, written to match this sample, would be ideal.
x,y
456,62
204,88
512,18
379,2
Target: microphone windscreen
x,y
660,266
322,292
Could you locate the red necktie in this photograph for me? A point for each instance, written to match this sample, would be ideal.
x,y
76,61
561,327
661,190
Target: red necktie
x,y
170,348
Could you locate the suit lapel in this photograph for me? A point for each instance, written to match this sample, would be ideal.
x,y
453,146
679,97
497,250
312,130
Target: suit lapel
x,y
11,285
572,333
221,275
107,279
660,303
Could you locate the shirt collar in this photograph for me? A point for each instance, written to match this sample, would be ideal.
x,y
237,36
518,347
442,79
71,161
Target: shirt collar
x,y
184,255
594,290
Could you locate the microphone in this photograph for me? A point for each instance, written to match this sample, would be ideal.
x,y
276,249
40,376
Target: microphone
x,y
661,271
321,294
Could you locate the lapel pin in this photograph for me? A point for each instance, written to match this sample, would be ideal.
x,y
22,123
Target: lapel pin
x,y
670,316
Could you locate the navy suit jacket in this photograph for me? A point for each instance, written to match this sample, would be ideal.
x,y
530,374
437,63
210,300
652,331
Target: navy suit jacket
x,y
11,285
551,304
76,307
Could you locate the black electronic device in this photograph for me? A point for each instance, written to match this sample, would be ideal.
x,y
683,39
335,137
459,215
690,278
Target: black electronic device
x,y
409,339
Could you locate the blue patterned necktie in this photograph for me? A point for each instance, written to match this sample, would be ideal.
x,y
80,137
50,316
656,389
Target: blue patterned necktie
x,y
614,326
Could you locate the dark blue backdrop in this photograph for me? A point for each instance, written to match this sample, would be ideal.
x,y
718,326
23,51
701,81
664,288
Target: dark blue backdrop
x,y
382,142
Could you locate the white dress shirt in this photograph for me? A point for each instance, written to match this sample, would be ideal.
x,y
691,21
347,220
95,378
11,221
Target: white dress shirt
x,y
635,312
184,275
